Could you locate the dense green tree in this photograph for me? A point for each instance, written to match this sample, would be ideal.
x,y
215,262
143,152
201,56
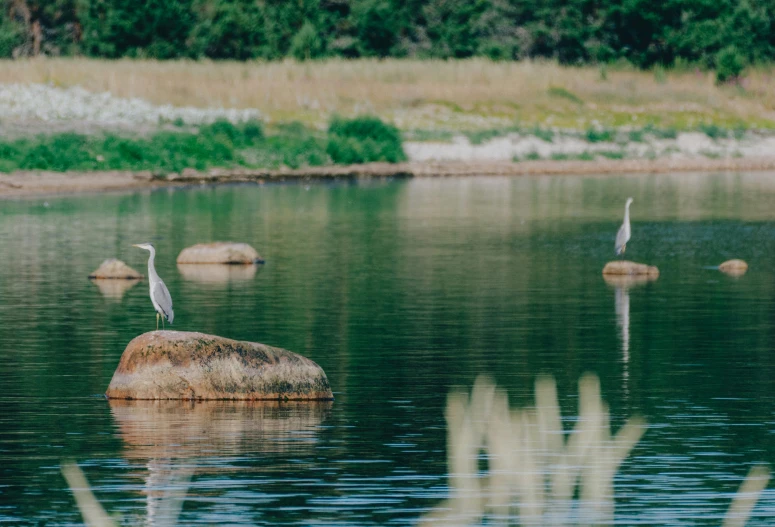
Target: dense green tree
x,y
305,44
231,29
642,32
154,28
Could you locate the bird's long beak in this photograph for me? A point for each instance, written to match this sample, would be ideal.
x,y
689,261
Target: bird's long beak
x,y
135,245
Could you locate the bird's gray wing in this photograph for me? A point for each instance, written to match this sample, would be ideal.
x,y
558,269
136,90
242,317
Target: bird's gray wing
x,y
162,297
621,238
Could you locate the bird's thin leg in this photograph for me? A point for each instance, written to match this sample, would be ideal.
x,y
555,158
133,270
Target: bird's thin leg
x,y
157,322
162,322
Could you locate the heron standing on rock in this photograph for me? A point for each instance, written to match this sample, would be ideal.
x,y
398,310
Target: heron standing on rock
x,y
160,296
623,236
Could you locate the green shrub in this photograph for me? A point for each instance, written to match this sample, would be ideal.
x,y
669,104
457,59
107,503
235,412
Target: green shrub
x,y
477,137
220,144
661,133
306,44
545,134
11,36
595,135
713,131
61,152
612,154
364,140
636,136
730,64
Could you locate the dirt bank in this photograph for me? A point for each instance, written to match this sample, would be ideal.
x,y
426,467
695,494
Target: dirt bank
x,y
41,183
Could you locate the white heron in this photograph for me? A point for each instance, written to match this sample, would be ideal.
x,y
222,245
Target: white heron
x,y
623,236
160,296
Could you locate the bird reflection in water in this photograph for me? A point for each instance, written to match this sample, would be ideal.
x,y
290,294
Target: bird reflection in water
x,y
537,473
622,285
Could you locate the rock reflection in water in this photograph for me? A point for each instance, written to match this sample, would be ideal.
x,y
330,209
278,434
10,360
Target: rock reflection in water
x,y
535,469
184,429
171,436
114,289
217,273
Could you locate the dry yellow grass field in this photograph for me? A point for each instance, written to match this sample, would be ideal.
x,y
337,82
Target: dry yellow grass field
x,y
433,94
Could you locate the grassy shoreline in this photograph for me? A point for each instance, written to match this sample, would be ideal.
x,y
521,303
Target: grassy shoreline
x,y
448,96
567,113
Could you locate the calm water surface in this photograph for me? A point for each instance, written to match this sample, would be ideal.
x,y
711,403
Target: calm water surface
x,y
402,291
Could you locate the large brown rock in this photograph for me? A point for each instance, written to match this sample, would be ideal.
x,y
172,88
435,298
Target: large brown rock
x,y
219,253
185,365
625,267
733,267
115,269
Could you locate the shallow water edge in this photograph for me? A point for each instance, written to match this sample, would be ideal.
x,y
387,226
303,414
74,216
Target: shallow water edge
x,y
35,183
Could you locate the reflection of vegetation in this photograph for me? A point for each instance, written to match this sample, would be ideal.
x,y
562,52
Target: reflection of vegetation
x,y
163,508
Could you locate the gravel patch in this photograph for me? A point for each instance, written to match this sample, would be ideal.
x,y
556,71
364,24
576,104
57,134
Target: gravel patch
x,y
686,145
41,107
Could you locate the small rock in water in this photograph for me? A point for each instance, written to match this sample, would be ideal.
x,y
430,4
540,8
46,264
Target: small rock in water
x,y
186,365
625,267
115,269
219,253
733,267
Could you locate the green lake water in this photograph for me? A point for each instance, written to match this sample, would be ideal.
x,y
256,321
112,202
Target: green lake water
x,y
403,291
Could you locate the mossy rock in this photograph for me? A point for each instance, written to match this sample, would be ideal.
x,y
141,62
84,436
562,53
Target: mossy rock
x,y
197,366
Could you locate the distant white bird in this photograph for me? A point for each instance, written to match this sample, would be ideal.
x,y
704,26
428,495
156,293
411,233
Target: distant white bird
x,y
623,236
160,296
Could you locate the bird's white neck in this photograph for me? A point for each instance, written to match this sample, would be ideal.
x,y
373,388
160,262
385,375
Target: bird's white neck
x,y
626,213
151,268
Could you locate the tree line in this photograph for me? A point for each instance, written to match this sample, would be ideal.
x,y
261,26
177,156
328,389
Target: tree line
x,y
642,32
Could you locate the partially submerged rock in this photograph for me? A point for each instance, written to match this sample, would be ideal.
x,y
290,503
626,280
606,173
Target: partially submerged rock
x,y
219,253
115,269
625,267
733,267
186,365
